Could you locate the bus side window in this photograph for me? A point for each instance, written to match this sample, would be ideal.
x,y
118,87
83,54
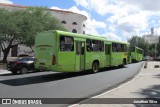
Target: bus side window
x,y
122,46
96,45
88,45
62,43
119,48
114,47
78,48
101,46
82,49
125,48
66,43
132,49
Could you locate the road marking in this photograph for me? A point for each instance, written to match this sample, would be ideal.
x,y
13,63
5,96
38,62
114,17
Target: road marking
x,y
140,73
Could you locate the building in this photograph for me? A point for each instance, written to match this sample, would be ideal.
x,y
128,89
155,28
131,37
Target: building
x,y
73,22
152,38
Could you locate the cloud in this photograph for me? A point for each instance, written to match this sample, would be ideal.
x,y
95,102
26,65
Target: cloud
x,y
144,4
132,22
6,1
125,16
112,36
53,7
157,31
97,5
76,10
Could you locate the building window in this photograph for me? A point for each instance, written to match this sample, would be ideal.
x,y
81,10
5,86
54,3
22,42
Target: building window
x,y
83,32
84,25
64,22
74,23
74,31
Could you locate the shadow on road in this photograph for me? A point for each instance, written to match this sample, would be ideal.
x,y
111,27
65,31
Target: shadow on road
x,y
48,77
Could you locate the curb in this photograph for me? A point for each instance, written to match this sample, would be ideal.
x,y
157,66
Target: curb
x,y
3,71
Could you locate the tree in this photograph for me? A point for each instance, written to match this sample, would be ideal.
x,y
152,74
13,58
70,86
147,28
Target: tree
x,y
139,42
21,26
158,49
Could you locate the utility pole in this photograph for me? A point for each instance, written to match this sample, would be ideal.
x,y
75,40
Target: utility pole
x,y
155,50
156,42
0,54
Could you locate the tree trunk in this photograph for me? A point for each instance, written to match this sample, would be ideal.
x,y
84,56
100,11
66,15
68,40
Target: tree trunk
x,y
5,53
31,48
5,49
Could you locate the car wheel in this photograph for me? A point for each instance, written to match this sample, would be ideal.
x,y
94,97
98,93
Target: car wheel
x,y
24,70
14,72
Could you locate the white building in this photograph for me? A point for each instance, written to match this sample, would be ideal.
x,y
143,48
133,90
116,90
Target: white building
x,y
73,22
151,38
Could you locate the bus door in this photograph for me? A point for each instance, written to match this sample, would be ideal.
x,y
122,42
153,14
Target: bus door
x,y
108,54
80,56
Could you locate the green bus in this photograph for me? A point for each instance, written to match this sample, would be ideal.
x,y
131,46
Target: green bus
x,y
136,54
71,52
129,54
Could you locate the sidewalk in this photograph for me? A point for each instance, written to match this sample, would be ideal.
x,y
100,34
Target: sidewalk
x,y
3,69
144,85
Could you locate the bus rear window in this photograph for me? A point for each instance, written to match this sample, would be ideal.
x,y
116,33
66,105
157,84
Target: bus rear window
x,y
66,43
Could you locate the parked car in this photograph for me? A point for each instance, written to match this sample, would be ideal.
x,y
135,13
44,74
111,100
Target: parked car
x,y
158,58
148,58
22,64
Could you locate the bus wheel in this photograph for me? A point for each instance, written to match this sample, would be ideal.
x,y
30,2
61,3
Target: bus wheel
x,y
95,67
124,63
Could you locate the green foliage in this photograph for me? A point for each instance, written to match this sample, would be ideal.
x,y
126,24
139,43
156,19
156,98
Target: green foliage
x,y
21,26
153,49
158,49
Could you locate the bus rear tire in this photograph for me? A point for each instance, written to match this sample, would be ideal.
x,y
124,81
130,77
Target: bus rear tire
x,y
95,67
123,63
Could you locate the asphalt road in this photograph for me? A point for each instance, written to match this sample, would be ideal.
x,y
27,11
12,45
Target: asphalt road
x,y
64,85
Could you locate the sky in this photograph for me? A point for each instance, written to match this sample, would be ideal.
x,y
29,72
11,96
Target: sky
x,y
114,19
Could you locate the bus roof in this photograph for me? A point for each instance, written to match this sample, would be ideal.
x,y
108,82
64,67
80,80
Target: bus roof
x,y
138,48
85,36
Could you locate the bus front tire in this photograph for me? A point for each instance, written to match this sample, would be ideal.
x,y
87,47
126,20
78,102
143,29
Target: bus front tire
x,y
95,67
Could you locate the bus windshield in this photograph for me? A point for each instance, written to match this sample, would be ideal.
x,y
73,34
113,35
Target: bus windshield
x,y
132,49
